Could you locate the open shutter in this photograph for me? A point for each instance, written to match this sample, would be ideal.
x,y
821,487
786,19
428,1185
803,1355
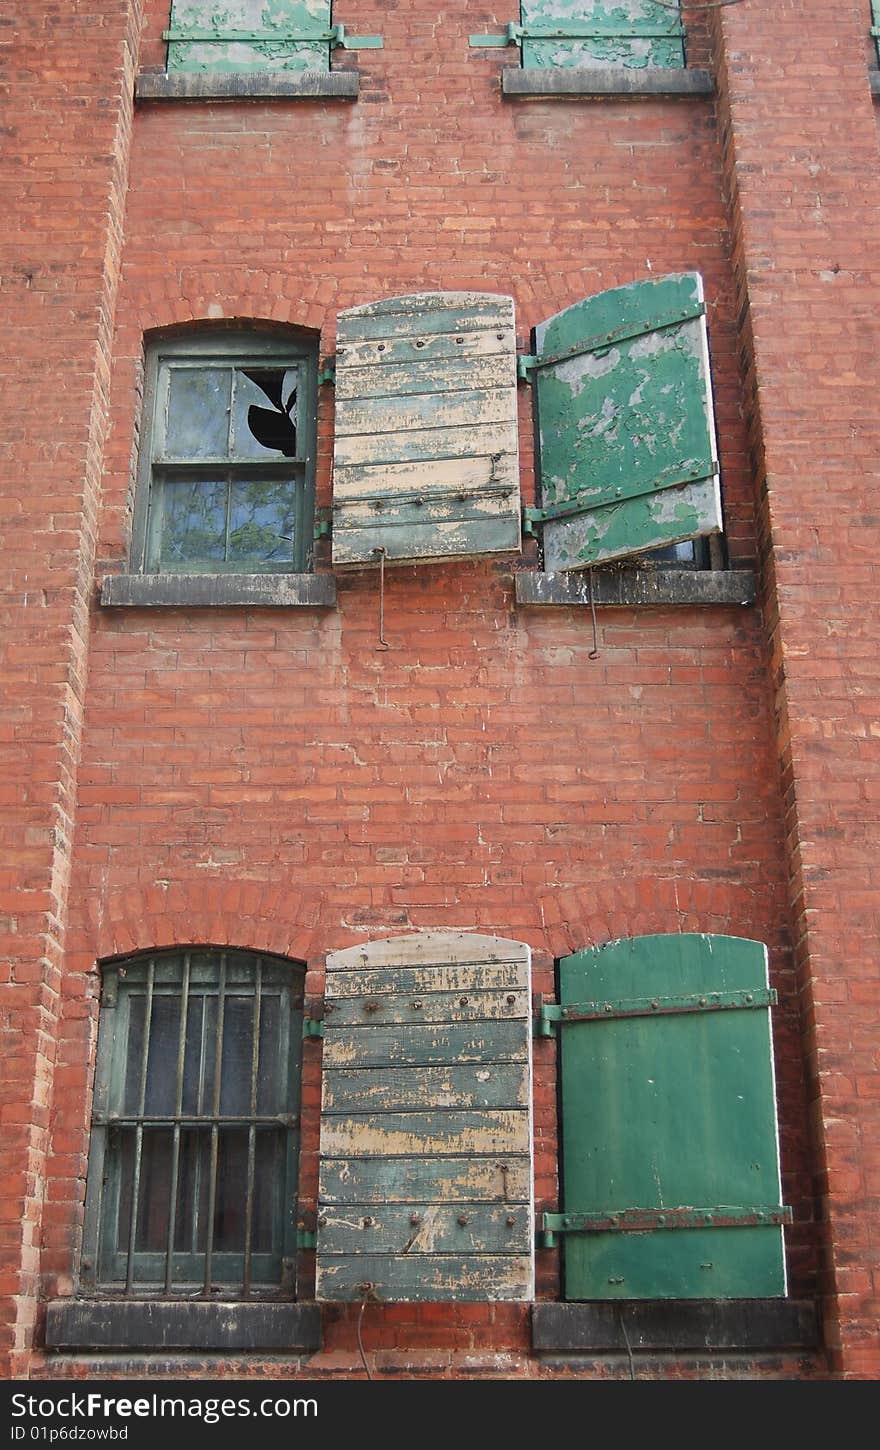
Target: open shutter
x,y
425,1186
670,1158
249,35
426,450
630,33
626,437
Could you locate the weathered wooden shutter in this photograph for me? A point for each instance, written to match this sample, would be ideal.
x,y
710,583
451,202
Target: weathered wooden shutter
x,y
670,1157
629,33
426,450
249,35
875,28
627,453
425,1178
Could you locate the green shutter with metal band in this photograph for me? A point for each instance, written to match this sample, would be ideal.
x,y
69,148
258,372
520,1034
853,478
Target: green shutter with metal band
x,y
875,28
255,35
670,1155
626,439
426,442
629,34
425,1188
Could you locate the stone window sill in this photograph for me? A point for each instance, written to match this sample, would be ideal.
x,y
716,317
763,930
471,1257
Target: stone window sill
x,y
637,587
605,81
196,591
703,1325
128,1324
341,85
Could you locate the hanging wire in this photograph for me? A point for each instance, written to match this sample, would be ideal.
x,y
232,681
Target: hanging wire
x,y
383,643
594,652
620,1318
369,1293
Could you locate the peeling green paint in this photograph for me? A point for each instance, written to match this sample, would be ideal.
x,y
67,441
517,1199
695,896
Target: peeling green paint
x,y
626,438
630,34
249,16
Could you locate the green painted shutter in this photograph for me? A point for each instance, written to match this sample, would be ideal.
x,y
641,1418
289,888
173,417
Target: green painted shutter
x,y
249,35
426,442
875,28
425,1188
626,438
668,1120
630,33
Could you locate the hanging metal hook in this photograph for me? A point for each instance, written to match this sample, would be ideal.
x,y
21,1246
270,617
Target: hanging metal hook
x,y
383,643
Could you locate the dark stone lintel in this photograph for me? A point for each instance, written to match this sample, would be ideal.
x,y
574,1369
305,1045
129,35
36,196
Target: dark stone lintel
x,y
195,591
605,81
637,587
247,85
669,1325
143,1324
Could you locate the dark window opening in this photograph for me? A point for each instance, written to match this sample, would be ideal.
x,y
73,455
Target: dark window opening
x,y
192,1173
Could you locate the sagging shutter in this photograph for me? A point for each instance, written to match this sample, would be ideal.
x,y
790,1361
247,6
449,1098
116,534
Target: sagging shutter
x,y
249,35
425,1186
630,33
626,436
670,1157
426,461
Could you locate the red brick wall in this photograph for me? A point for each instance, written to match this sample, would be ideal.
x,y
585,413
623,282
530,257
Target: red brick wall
x,y
269,779
69,70
801,162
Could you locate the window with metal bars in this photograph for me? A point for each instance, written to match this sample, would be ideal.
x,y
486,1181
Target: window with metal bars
x,y
195,1130
226,470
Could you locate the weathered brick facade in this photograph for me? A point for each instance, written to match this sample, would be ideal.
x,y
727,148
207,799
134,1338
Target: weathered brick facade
x,y
271,780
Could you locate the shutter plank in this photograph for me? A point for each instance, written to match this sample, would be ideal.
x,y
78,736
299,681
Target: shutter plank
x,y
627,451
433,1117
504,1085
425,1180
426,446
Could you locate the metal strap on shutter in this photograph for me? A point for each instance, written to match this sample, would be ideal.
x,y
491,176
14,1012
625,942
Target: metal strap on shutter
x,y
670,1156
425,1186
629,34
426,461
627,453
251,35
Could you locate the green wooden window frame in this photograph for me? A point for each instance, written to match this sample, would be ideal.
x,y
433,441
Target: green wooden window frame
x,y
193,1161
212,496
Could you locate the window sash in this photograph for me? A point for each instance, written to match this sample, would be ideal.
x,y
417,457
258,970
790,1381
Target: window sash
x,y
144,1146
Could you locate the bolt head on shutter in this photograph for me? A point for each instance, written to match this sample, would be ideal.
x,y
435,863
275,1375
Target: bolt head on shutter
x,y
626,435
426,461
425,1188
630,34
670,1153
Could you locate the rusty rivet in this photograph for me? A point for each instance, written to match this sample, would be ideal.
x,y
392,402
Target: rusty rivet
x,y
655,1005
500,336
381,347
462,1001
510,999
328,1007
463,1219
416,1006
368,1222
371,1006
702,1001
322,1223
419,342
459,339
510,1220
414,1219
